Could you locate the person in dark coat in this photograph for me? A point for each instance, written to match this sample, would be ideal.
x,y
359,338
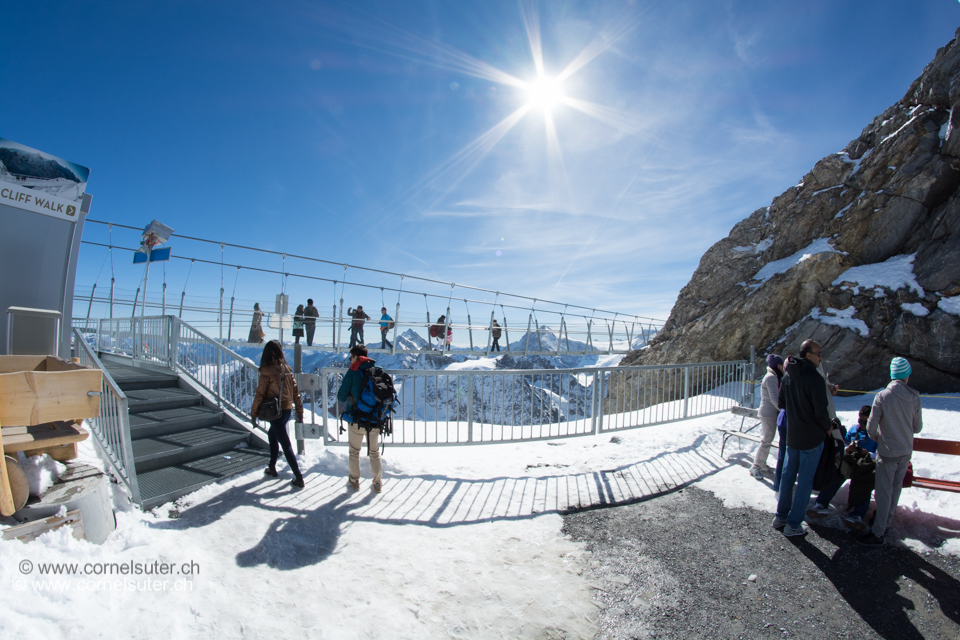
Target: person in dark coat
x,y
495,332
356,325
256,325
310,315
273,369
804,395
298,324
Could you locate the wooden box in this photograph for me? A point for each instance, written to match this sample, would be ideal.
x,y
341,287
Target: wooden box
x,y
39,389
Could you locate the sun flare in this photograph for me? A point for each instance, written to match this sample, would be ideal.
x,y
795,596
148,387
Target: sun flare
x,y
544,93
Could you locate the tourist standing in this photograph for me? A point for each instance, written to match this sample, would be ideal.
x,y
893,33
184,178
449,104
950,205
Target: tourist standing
x,y
808,423
348,394
495,332
256,325
298,324
769,401
894,420
310,315
386,323
356,326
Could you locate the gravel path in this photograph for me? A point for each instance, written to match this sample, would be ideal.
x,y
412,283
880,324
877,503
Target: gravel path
x,y
681,565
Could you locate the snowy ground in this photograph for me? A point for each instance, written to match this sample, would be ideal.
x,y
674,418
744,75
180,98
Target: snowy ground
x,y
463,542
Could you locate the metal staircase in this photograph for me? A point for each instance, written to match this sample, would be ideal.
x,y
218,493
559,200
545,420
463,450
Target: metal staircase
x,y
165,432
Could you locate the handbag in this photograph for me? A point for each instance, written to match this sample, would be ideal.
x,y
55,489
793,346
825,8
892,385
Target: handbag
x,y
270,409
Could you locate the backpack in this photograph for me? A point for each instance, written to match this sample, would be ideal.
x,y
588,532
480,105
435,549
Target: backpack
x,y
376,405
435,330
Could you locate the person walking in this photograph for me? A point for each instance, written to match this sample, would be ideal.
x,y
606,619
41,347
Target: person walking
x,y
277,381
495,332
804,395
298,324
894,419
769,401
386,323
438,330
256,326
348,394
310,315
356,326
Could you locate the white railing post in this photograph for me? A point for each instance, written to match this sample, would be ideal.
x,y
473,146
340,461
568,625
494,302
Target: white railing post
x,y
470,407
686,388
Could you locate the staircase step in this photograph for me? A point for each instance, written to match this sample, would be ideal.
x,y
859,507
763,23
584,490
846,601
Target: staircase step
x,y
176,448
131,378
142,400
169,483
151,424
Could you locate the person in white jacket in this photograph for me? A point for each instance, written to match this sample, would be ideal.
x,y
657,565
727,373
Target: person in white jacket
x,y
769,397
894,420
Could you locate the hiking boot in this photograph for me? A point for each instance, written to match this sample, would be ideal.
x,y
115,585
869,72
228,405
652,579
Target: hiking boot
x,y
791,532
270,471
870,540
818,511
354,484
756,473
297,482
377,487
778,522
855,523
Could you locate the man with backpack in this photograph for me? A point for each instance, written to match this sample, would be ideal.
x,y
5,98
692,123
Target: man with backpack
x,y
355,395
310,315
356,326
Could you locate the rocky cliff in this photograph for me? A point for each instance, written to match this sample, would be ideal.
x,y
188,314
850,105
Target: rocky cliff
x,y
863,256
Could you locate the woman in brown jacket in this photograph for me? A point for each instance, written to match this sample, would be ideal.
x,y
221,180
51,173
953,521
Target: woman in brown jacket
x,y
272,363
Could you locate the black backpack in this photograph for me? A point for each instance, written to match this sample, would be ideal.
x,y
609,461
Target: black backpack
x,y
376,405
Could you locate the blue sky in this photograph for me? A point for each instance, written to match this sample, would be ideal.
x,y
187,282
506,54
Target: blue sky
x,y
394,135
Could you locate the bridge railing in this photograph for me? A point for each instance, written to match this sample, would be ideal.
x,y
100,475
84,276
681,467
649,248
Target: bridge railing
x,y
480,407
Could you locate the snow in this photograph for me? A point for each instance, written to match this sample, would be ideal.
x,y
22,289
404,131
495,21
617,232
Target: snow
x,y
842,318
42,471
894,273
821,245
463,542
950,305
758,248
916,309
845,157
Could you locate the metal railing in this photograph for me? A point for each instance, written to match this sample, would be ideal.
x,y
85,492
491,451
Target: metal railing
x,y
112,427
480,407
227,376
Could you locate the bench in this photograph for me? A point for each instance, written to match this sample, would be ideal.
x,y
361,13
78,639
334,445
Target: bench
x,y
929,445
744,413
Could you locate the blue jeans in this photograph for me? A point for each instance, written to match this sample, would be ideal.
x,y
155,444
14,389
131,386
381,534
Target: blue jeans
x,y
311,329
781,454
825,496
799,469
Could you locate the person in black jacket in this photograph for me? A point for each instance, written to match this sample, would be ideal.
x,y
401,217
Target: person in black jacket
x,y
804,396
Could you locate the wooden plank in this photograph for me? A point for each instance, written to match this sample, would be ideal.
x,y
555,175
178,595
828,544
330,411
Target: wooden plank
x,y
6,494
13,364
929,445
44,436
35,397
31,530
937,485
745,411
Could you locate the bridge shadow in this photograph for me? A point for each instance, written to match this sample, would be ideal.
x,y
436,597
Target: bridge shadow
x,y
872,581
310,522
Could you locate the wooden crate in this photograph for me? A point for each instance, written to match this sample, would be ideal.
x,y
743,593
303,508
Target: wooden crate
x,y
39,389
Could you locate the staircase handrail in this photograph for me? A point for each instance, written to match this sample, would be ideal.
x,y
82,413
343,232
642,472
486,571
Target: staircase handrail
x,y
112,427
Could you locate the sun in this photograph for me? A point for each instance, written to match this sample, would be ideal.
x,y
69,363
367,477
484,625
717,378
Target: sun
x,y
544,93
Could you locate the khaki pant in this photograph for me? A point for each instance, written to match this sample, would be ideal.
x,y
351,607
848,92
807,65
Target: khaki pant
x,y
768,428
889,482
373,446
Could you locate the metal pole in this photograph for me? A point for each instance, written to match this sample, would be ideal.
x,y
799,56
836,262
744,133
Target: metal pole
x,y
526,341
470,331
339,327
113,281
686,389
90,306
589,335
753,375
221,315
297,370
164,312
506,332
396,321
333,328
470,407
446,327
182,296
230,321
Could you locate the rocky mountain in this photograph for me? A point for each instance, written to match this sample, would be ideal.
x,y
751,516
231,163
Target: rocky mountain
x,y
863,255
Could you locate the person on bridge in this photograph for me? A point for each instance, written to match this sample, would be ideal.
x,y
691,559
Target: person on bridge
x,y
298,324
277,381
256,326
894,420
356,327
804,396
496,332
769,399
386,323
348,394
310,315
